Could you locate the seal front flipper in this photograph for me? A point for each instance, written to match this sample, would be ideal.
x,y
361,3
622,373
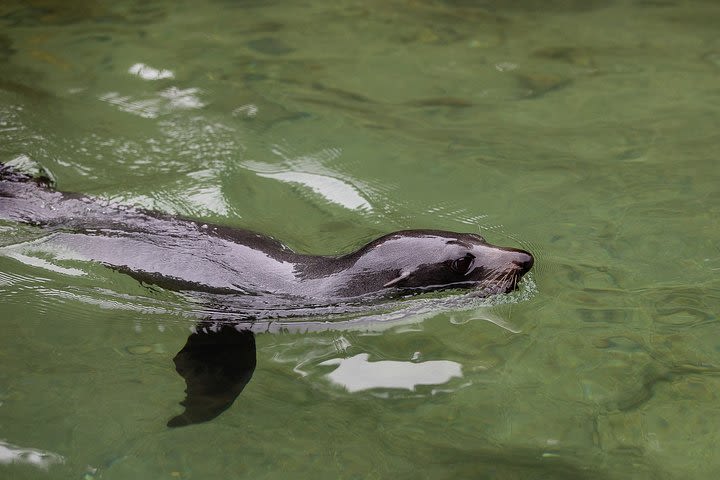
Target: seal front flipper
x,y
217,362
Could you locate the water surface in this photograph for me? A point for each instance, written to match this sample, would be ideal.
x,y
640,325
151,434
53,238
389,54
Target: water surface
x,y
584,131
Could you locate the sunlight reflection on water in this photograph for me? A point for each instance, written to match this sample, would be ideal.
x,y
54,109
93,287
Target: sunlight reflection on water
x,y
10,454
356,373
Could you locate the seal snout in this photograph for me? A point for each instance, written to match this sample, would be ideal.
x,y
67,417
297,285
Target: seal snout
x,y
523,259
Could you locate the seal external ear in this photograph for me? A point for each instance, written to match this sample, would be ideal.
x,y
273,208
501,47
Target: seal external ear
x,y
217,362
402,276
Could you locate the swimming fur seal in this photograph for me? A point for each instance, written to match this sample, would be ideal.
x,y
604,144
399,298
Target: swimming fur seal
x,y
188,255
257,274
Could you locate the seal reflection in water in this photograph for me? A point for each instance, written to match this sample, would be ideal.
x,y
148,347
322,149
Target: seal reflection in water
x,y
257,274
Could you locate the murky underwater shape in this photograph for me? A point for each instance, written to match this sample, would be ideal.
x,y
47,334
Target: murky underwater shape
x,y
583,131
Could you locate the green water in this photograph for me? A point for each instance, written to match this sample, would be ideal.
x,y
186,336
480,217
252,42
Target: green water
x,y
584,131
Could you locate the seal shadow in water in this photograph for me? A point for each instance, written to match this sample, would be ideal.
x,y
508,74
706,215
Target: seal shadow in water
x,y
217,362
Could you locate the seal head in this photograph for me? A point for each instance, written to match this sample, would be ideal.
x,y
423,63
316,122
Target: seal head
x,y
423,260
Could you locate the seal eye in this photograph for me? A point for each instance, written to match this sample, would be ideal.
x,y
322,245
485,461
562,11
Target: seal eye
x,y
462,265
